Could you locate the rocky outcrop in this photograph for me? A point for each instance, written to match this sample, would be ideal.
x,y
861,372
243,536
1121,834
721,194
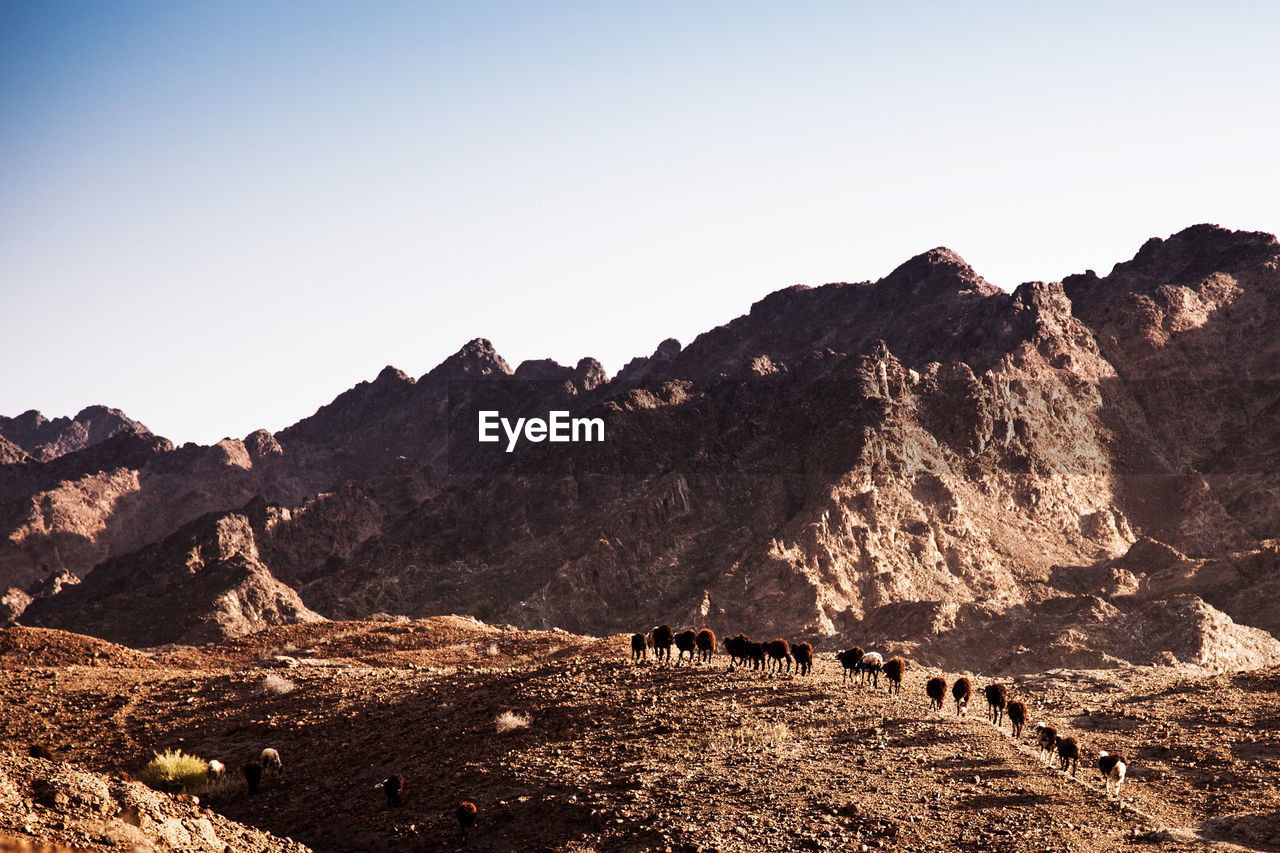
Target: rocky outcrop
x,y
44,439
204,583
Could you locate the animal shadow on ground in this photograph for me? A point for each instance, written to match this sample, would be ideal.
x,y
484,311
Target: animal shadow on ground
x,y
1007,801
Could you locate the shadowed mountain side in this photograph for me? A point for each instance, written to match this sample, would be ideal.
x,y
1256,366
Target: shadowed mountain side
x,y
203,583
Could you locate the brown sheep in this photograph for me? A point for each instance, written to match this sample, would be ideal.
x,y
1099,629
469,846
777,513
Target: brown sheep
x,y
850,659
662,638
997,698
706,643
686,642
894,668
936,690
961,691
777,650
803,653
1017,713
639,648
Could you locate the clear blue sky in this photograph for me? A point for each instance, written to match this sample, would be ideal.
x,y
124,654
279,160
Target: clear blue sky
x,y
218,216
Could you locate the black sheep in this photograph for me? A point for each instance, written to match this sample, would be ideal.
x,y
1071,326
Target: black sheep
x,y
997,697
1068,754
1017,713
686,642
894,668
736,646
961,691
1046,739
639,647
803,653
662,637
849,659
1112,768
937,691
755,653
466,814
393,787
253,776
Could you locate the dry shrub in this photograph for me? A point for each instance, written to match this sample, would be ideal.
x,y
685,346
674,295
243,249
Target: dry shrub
x,y
277,685
509,721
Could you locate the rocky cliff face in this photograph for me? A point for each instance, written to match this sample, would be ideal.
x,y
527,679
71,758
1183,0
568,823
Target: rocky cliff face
x,y
924,461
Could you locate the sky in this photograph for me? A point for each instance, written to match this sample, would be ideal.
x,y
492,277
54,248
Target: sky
x,y
219,216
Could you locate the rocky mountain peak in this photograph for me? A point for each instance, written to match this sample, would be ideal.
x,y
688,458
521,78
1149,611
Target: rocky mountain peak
x,y
476,360
45,439
937,272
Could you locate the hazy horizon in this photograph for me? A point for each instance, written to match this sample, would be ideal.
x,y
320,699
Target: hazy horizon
x,y
218,218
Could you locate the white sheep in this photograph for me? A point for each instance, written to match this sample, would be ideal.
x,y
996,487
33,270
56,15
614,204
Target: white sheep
x,y
872,662
270,760
1112,768
216,769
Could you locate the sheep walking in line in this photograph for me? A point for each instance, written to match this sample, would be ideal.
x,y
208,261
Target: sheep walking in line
x,y
997,698
1068,754
1017,714
1112,768
756,654
1046,739
894,669
961,691
639,648
871,664
736,646
777,650
803,653
850,659
706,643
686,642
662,638
936,690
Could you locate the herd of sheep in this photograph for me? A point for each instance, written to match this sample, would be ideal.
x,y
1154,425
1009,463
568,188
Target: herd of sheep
x,y
862,665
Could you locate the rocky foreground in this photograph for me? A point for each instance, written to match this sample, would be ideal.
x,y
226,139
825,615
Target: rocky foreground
x,y
609,755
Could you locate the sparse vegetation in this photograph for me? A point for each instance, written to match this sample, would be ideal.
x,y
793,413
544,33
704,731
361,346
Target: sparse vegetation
x,y
277,685
446,585
174,770
480,610
509,721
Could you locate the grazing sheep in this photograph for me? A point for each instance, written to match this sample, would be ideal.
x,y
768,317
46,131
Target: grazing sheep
x,y
936,690
961,691
873,663
1046,739
662,638
1068,754
392,786
803,653
466,814
686,642
706,642
253,776
777,650
850,659
639,648
270,760
39,751
736,646
893,670
755,653
997,698
215,770
1017,713
1112,768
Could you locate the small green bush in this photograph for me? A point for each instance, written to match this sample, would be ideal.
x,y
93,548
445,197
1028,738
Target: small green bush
x,y
446,585
174,770
480,610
